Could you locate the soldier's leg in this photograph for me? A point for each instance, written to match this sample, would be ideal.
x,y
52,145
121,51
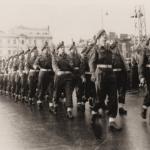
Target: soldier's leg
x,y
50,91
58,81
146,102
69,103
79,93
43,85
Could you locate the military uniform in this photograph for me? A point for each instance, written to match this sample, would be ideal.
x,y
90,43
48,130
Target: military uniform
x,y
63,68
45,77
101,67
24,70
78,75
120,71
89,90
144,75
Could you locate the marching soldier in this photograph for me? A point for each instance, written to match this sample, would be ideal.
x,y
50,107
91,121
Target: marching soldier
x,y
144,76
63,68
46,76
104,78
88,85
19,65
120,71
78,76
24,70
33,75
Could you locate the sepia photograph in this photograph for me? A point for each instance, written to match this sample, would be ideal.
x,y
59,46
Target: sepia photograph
x,y
74,75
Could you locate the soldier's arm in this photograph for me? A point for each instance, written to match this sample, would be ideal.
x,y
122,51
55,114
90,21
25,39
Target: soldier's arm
x,y
36,64
92,61
54,63
142,63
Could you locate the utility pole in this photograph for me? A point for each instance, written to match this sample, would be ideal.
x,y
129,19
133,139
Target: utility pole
x,y
139,24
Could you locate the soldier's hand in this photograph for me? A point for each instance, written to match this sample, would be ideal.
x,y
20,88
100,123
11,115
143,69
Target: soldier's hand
x,y
142,82
83,79
93,77
59,73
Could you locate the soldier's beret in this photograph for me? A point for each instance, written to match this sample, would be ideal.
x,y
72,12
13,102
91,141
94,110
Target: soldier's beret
x,y
113,44
60,45
100,33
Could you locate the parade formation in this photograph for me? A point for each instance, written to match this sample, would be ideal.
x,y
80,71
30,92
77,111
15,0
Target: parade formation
x,y
97,75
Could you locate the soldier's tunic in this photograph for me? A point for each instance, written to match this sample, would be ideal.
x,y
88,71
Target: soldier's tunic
x,y
45,77
63,81
120,71
101,66
144,72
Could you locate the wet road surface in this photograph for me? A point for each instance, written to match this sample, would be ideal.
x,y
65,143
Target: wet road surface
x,y
25,128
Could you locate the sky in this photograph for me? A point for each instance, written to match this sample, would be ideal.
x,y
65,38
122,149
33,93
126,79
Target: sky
x,y
72,19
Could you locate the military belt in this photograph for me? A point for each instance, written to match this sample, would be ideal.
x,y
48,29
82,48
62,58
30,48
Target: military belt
x,y
76,68
32,70
148,65
117,69
104,66
45,69
88,73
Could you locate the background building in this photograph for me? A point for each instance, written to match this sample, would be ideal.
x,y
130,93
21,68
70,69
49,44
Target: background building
x,y
21,38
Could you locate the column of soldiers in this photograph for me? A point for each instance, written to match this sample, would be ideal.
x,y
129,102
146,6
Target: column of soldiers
x,y
97,75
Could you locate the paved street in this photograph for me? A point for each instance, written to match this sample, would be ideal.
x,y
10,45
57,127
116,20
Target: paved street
x,y
25,128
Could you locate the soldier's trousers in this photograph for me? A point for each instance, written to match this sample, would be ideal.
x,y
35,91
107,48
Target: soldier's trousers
x,y
9,83
78,86
13,87
106,86
18,84
32,83
89,87
24,84
121,81
1,81
63,83
45,84
5,81
147,96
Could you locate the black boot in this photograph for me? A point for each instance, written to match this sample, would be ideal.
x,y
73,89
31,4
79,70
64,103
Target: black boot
x,y
144,113
122,111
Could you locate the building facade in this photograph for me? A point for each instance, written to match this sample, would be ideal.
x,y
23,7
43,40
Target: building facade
x,y
21,38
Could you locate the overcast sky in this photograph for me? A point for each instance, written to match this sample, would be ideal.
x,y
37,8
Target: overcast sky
x,y
71,18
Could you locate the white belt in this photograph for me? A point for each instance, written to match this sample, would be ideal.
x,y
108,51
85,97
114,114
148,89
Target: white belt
x,y
76,68
117,69
45,69
32,70
148,65
104,66
87,72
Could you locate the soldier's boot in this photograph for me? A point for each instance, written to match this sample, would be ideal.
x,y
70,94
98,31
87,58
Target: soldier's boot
x,y
39,105
16,98
144,112
91,102
122,110
113,125
51,107
69,113
94,117
81,106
